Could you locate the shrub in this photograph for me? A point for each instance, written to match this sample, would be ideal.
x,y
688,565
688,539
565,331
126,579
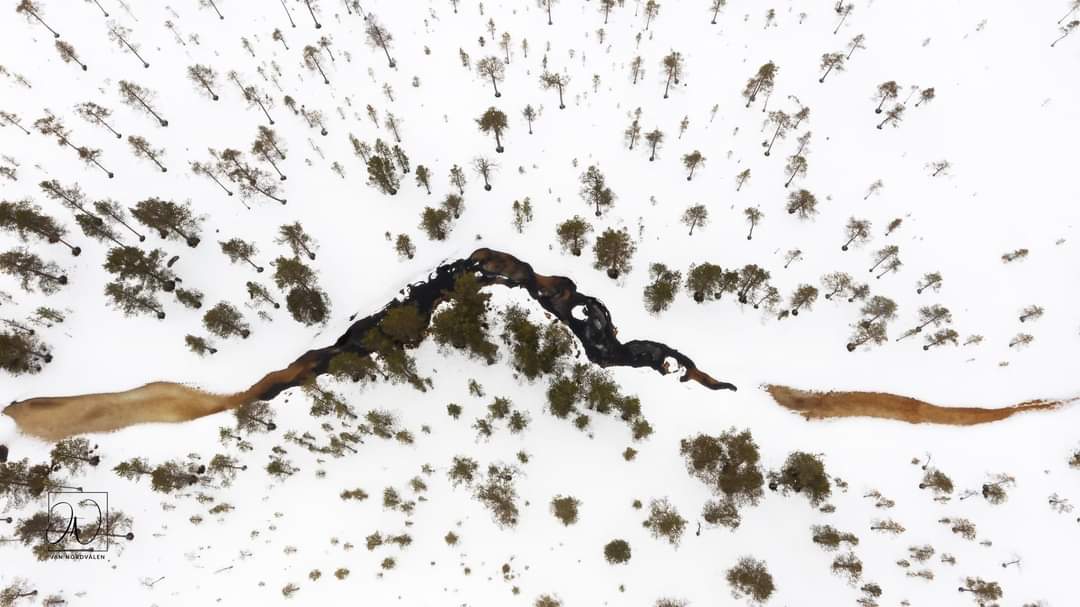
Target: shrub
x,y
617,551
565,508
664,521
751,578
803,473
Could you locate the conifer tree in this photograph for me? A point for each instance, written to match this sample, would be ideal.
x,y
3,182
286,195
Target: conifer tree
x,y
751,278
205,79
379,37
932,281
887,91
782,122
761,82
741,179
299,241
139,97
594,190
74,454
383,174
803,298
267,143
830,62
796,167
715,6
857,232
695,216
423,178
454,205
21,353
523,214
942,337
493,121
837,283
572,234
199,345
874,332
29,269
463,325
632,133
260,294
894,116
131,299
530,115
146,268
311,60
926,96
68,54
802,202
858,42
25,219
884,254
661,291
169,219
692,161
404,246
31,9
142,149
311,6
655,137
1065,30
435,222
457,178
704,280
673,66
239,250
613,250
225,321
96,114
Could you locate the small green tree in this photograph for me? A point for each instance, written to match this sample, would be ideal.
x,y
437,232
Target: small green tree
x,y
571,234
435,222
661,291
225,321
169,219
463,324
404,246
594,190
613,250
493,121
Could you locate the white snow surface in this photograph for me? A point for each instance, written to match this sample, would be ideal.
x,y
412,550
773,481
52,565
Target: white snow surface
x,y
1006,110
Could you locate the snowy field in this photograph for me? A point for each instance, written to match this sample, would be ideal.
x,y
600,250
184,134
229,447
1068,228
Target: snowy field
x,y
1007,107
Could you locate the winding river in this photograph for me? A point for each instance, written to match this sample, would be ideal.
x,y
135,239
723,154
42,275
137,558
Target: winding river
x,y
54,418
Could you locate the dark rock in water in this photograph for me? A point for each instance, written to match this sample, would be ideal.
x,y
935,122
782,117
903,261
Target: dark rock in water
x,y
556,294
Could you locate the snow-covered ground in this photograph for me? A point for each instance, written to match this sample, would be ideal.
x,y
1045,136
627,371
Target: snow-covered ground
x,y
1005,113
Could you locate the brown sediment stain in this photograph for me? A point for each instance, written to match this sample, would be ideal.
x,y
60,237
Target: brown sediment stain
x,y
55,418
59,417
881,405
